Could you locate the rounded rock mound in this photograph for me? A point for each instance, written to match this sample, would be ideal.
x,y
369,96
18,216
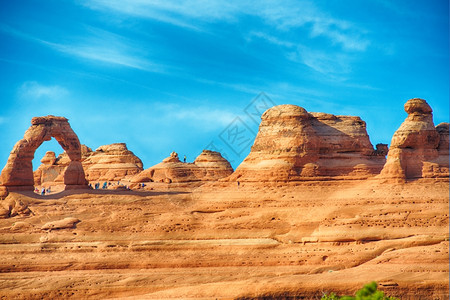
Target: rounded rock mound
x,y
417,105
285,111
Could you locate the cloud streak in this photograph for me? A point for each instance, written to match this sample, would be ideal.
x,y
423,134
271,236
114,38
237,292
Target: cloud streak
x,y
99,46
36,91
343,39
193,14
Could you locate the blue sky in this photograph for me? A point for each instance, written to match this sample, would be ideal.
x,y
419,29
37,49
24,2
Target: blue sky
x,y
181,76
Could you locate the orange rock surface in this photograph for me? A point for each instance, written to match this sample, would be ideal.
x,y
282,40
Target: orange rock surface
x,y
208,166
293,144
418,148
307,216
111,163
229,242
107,163
18,172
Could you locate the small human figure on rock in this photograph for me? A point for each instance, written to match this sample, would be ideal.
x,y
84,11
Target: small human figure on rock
x,y
43,191
105,184
184,158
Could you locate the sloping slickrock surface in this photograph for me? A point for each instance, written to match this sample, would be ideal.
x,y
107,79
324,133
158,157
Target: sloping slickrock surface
x,y
227,241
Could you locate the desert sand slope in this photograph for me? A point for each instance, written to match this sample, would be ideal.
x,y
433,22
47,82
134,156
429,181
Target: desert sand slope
x,y
226,242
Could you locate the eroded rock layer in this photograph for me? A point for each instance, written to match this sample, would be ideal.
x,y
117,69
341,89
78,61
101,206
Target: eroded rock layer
x,y
48,171
107,163
221,241
111,162
418,148
293,144
208,166
18,172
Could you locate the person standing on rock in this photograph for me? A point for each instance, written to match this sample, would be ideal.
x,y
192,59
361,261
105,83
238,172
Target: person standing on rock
x,y
43,191
184,158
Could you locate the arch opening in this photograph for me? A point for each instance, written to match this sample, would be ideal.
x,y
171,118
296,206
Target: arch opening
x,y
18,175
49,146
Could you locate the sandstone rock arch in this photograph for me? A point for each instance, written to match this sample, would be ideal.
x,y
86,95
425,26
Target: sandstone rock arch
x,y
17,175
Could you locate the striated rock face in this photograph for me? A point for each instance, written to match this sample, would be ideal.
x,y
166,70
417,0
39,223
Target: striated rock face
x,y
418,148
212,166
293,144
18,172
220,241
208,166
48,171
107,163
111,162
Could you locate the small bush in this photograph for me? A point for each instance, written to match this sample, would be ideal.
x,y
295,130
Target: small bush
x,y
368,292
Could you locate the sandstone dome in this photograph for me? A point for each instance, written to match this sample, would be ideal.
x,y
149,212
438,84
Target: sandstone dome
x,y
285,111
417,105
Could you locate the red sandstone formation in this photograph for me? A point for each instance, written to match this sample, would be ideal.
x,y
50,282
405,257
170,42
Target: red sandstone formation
x,y
272,241
18,172
107,163
293,144
48,171
63,159
418,148
248,241
111,163
51,171
208,166
212,166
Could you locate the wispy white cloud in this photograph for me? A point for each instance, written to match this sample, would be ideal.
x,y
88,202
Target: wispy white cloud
x,y
206,116
100,46
33,90
321,61
174,12
295,14
270,38
341,33
285,16
108,55
318,60
334,64
246,88
343,37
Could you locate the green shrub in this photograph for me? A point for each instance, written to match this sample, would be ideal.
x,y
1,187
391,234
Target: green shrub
x,y
368,292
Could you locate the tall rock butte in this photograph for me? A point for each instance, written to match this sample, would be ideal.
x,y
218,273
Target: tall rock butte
x,y
18,171
208,166
418,148
293,144
107,163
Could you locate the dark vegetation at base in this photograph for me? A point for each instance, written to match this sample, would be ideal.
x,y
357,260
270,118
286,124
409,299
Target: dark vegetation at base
x,y
368,292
